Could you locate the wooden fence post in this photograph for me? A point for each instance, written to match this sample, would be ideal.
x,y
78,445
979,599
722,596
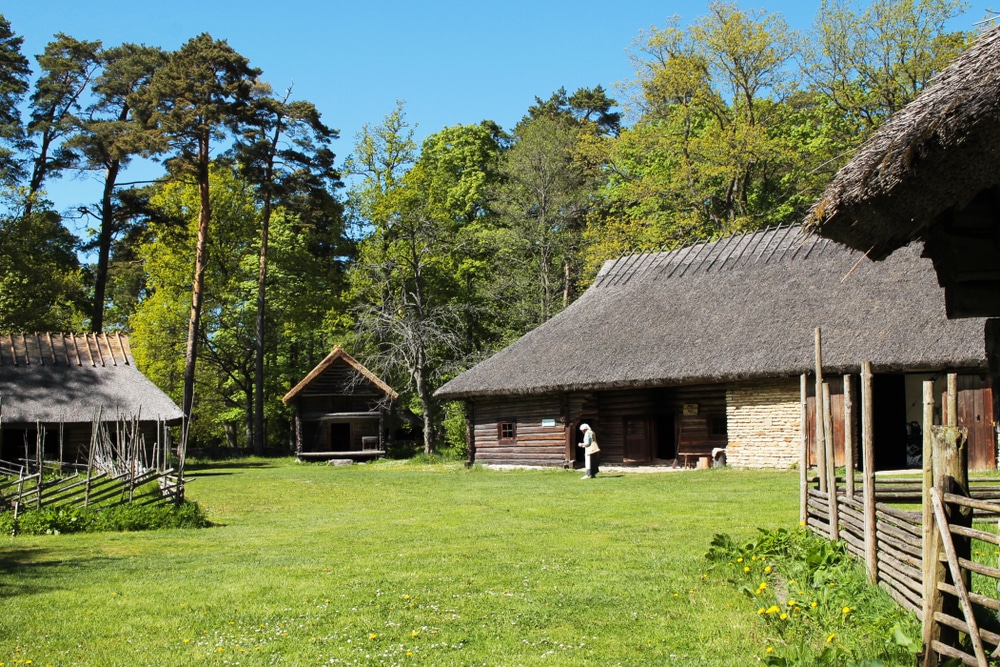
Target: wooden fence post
x,y
819,440
831,465
928,551
804,452
949,460
848,437
868,452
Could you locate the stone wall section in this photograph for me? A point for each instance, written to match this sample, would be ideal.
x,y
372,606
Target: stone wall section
x,y
764,423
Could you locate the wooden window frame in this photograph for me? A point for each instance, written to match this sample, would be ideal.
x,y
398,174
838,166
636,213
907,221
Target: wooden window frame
x,y
510,426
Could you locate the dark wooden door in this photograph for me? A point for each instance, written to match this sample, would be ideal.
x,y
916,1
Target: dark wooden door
x,y
975,413
637,440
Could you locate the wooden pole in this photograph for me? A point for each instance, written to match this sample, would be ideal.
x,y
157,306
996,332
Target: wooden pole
x,y
928,533
804,452
951,475
848,437
831,466
868,489
952,399
819,440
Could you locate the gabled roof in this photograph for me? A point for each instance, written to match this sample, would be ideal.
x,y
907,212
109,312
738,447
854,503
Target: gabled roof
x,y
69,378
739,308
938,152
339,355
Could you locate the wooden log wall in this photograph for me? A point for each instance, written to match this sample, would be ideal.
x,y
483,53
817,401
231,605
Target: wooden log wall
x,y
535,444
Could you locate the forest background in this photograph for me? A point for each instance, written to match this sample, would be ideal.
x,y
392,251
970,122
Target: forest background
x,y
253,248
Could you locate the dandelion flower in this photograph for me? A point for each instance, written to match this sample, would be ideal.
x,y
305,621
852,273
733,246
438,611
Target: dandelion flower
x,y
763,585
783,616
767,569
415,633
770,649
373,636
773,609
814,604
740,559
830,639
746,569
761,610
846,610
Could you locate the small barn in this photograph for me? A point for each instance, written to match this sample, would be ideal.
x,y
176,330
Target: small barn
x,y
340,410
672,355
54,388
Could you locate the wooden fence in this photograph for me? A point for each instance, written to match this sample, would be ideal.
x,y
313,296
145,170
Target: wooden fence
x,y
916,533
144,487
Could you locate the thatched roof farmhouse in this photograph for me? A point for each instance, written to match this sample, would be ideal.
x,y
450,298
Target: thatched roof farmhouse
x,y
932,172
61,383
702,348
340,410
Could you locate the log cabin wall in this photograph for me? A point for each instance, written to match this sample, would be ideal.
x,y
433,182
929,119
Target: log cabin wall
x,y
527,430
764,421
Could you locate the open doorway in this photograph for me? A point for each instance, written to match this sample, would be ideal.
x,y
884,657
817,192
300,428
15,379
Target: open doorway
x,y
340,437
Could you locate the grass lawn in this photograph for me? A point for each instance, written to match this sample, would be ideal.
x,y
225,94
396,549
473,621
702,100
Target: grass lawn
x,y
400,564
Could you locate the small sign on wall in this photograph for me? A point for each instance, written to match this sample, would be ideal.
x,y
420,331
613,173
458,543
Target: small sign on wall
x,y
690,408
548,422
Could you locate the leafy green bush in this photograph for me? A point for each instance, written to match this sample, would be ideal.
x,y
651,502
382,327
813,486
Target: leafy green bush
x,y
811,595
128,517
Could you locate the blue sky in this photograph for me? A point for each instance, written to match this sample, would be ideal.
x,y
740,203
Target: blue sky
x,y
452,62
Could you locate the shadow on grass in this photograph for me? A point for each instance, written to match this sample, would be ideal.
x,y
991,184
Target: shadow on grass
x,y
19,569
227,465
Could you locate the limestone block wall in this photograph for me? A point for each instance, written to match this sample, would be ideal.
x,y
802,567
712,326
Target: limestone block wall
x,y
764,423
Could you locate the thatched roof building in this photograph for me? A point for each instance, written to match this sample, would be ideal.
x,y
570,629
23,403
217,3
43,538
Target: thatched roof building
x,y
693,326
69,380
932,172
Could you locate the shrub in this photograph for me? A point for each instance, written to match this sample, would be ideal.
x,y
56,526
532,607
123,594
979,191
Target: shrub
x,y
808,591
127,517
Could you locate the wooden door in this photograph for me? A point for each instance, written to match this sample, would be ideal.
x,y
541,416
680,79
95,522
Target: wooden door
x,y
975,413
637,440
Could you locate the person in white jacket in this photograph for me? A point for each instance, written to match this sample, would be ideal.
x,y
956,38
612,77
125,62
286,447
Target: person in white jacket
x,y
591,449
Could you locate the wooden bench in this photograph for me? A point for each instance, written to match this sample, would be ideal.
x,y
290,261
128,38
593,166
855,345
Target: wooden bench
x,y
699,451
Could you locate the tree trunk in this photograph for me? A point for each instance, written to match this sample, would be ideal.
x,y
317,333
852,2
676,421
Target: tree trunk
x,y
197,288
104,247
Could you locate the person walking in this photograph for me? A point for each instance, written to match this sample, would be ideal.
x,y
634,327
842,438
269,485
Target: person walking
x,y
591,450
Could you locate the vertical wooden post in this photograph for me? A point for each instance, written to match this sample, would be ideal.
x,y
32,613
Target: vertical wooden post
x,y
949,459
929,534
848,437
803,453
821,461
831,465
952,399
470,433
868,452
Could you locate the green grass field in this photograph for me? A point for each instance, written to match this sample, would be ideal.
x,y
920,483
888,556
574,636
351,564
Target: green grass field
x,y
400,564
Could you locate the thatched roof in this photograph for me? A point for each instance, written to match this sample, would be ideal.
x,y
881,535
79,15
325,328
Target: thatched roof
x,y
340,383
740,308
54,377
937,153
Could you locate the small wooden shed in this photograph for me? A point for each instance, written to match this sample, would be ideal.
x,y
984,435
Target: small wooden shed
x,y
340,410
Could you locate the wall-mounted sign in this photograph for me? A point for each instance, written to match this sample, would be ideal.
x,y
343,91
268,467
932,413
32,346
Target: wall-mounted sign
x,y
548,422
690,408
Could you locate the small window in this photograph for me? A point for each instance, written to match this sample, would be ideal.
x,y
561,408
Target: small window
x,y
717,425
507,431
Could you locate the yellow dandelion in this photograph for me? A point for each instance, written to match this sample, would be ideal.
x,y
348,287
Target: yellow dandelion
x,y
373,636
409,654
773,609
740,559
783,616
767,569
746,569
763,586
791,582
830,639
406,597
415,633
753,558
814,604
219,649
846,610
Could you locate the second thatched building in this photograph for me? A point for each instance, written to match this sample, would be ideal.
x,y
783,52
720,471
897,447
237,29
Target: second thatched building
x,y
672,356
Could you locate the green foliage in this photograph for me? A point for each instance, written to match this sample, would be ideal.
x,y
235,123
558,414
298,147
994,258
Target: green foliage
x,y
118,518
817,602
